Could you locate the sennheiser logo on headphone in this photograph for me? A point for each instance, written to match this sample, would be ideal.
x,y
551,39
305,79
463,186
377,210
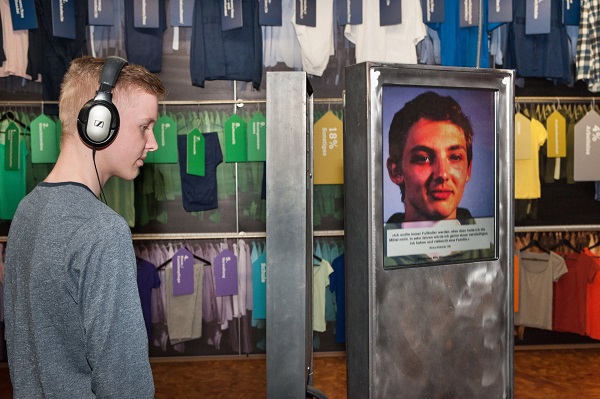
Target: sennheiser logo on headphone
x,y
99,123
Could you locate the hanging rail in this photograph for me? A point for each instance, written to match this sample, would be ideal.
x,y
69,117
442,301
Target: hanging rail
x,y
551,100
332,100
541,229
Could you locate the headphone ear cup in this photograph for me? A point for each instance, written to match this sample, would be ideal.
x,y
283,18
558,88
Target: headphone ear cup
x,y
98,123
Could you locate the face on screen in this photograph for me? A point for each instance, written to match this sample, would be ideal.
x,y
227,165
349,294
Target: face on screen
x,y
434,170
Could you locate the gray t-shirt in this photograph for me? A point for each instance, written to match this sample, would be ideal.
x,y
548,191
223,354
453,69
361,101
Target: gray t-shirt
x,y
74,324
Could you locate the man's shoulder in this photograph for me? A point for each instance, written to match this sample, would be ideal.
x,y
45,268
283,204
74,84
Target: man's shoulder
x,y
396,218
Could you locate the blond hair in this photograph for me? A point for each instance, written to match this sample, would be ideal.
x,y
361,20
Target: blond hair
x,y
80,84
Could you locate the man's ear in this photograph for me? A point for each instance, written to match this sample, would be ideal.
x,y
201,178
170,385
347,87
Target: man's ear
x,y
395,171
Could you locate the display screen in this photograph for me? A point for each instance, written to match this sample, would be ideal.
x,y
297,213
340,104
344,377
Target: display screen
x,y
439,163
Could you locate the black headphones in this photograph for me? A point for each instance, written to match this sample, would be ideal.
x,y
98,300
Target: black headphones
x,y
98,120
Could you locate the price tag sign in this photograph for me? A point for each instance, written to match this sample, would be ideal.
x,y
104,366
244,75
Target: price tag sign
x,y
556,125
12,157
146,14
257,138
101,12
183,272
44,140
523,147
196,153
226,274
235,139
328,150
587,148
165,132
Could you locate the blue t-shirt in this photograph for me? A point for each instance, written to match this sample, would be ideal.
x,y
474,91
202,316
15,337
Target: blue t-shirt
x,y
200,192
147,279
259,288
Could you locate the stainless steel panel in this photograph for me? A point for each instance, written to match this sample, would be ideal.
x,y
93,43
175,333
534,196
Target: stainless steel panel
x,y
289,234
441,331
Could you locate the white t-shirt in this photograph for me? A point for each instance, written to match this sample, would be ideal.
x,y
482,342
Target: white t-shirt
x,y
280,43
392,43
16,45
316,42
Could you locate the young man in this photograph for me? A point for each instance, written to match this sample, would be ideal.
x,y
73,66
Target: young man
x,y
74,323
430,144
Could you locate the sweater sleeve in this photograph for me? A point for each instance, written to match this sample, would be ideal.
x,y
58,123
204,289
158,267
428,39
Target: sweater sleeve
x,y
114,329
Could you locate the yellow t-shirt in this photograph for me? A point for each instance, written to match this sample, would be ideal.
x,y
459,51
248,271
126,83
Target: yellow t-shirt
x,y
527,173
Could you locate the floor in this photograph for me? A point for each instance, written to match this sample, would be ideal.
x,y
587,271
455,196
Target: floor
x,y
547,374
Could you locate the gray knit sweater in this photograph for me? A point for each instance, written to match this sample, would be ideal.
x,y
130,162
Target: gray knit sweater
x,y
74,323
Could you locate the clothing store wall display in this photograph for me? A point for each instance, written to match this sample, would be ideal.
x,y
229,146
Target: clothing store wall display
x,y
236,149
225,55
165,132
44,140
328,150
527,178
63,19
226,273
23,15
101,12
199,193
270,12
537,273
587,148
394,43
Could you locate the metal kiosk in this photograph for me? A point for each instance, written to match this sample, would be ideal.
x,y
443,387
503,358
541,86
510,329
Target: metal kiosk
x,y
429,302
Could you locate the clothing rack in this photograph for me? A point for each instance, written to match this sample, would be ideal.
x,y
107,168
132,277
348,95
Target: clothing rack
x,y
565,228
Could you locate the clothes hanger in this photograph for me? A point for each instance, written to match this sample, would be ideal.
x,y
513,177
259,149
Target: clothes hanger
x,y
10,116
534,243
201,259
566,243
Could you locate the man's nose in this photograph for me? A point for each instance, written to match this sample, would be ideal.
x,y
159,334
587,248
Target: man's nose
x,y
151,143
440,169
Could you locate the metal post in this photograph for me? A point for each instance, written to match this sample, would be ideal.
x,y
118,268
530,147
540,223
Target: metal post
x,y
289,234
